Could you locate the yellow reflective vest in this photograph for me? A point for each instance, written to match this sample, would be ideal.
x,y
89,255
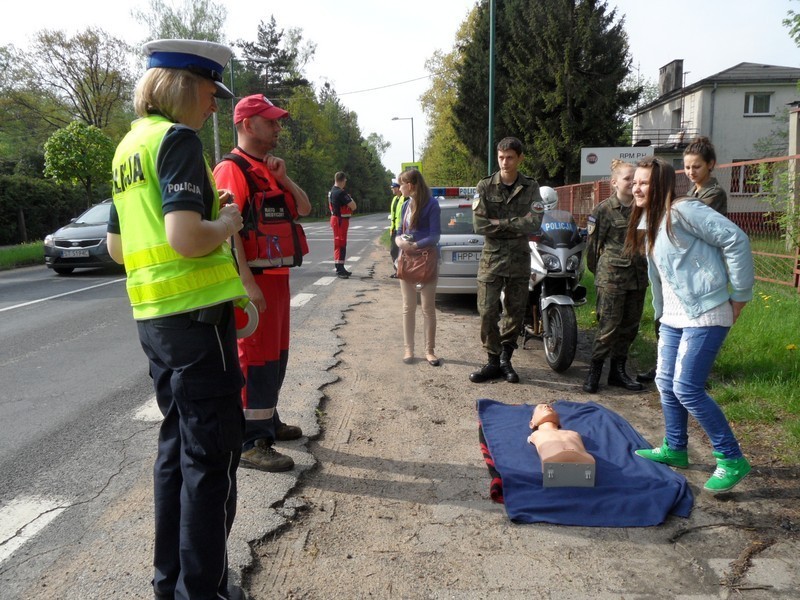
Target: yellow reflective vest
x,y
160,281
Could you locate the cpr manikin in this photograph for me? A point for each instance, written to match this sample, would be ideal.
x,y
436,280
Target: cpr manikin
x,y
561,451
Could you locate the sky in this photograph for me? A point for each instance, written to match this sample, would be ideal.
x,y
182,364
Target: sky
x,y
373,52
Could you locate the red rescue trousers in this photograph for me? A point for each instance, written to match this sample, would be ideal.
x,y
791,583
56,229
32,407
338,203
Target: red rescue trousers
x,y
339,226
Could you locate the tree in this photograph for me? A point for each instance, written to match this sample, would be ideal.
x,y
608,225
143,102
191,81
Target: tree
x,y
83,77
192,20
560,68
79,154
446,159
792,22
274,64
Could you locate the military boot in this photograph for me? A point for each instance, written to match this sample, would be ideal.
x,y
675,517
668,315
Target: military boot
x,y
491,370
505,364
618,377
647,377
593,377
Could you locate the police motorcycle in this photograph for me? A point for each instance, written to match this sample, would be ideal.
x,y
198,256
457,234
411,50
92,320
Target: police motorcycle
x,y
554,286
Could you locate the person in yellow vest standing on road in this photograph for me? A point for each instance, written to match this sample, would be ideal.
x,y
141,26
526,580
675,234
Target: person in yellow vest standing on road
x,y
167,226
395,214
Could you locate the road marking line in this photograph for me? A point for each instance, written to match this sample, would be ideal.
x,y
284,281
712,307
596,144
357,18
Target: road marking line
x,y
148,412
325,280
301,300
353,259
91,287
24,517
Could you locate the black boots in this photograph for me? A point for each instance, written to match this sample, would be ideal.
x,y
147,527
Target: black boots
x,y
490,370
593,378
648,377
618,377
505,364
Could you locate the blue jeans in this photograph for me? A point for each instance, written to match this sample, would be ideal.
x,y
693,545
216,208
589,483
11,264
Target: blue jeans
x,y
685,358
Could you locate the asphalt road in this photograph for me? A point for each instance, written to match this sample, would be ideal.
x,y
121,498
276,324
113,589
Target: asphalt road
x,y
78,429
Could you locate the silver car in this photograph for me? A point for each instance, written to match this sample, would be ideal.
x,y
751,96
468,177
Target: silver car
x,y
460,247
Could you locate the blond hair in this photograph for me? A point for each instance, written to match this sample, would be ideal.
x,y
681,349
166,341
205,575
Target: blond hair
x,y
617,164
171,93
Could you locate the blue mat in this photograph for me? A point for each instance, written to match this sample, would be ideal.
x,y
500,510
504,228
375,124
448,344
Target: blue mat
x,y
629,491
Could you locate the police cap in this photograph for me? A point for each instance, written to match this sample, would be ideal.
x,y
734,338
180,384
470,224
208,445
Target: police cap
x,y
207,59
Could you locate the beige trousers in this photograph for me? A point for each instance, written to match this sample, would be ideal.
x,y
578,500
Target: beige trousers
x,y
428,295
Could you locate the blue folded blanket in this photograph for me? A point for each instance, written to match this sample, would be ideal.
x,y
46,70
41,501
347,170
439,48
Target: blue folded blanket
x,y
629,491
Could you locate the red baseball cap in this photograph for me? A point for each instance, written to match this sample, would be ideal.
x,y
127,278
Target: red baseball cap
x,y
257,104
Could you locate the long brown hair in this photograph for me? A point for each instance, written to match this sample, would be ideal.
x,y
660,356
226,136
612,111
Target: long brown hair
x,y
421,196
660,195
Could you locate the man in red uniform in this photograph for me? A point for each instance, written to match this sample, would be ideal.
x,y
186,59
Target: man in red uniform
x,y
264,354
342,206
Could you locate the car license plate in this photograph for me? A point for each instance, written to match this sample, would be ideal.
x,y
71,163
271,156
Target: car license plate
x,y
470,256
75,253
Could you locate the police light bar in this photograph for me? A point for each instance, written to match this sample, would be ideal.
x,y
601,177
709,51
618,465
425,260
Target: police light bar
x,y
453,192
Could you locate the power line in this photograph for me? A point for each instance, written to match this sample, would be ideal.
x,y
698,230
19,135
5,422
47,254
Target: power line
x,y
383,87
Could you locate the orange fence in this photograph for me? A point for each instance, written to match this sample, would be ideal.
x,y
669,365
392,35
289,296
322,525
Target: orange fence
x,y
757,191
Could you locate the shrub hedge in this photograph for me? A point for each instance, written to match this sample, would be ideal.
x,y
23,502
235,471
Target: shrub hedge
x,y
43,206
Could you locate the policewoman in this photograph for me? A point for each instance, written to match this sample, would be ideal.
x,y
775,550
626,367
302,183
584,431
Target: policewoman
x,y
167,226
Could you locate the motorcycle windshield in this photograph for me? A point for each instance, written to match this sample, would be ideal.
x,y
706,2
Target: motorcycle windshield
x,y
559,229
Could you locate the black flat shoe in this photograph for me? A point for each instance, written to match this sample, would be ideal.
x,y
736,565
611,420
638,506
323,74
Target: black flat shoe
x,y
435,362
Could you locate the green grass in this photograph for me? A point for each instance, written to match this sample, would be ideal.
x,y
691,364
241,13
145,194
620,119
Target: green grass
x,y
756,377
22,255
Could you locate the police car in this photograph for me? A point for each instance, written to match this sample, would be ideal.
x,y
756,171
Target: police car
x,y
460,247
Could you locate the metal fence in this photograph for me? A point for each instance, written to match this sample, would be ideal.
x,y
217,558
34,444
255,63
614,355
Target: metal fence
x,y
758,192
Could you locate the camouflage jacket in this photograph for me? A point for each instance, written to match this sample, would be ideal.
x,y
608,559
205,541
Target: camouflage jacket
x,y
506,252
607,227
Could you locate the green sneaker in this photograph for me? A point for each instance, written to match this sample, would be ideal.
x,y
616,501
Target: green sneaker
x,y
728,473
673,458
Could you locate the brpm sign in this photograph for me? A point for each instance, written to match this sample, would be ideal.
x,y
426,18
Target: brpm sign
x,y
596,162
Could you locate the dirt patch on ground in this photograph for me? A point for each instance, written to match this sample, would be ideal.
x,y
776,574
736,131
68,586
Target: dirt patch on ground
x,y
398,505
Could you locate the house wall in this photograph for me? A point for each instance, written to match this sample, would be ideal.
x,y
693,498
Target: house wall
x,y
732,133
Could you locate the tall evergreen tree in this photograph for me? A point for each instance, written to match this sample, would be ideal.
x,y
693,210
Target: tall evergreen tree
x,y
560,69
272,63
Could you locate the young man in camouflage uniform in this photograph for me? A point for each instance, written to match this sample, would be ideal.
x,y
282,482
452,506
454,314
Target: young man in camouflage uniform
x,y
506,210
621,282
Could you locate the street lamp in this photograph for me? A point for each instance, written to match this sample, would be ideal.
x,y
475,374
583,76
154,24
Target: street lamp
x,y
413,156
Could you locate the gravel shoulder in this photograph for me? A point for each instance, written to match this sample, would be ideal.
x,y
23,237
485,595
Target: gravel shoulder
x,y
397,504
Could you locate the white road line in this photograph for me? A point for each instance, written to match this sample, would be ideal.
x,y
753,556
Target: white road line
x,y
148,412
301,300
325,280
356,227
91,287
24,517
353,259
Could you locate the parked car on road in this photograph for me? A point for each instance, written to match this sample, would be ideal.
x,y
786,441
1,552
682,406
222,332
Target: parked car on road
x,y
81,243
459,245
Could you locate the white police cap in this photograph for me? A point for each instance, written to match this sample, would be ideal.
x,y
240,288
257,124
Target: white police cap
x,y
207,59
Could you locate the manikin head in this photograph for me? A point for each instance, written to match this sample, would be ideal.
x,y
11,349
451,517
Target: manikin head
x,y
544,413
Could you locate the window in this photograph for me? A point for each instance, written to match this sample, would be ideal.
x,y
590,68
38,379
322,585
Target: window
x,y
758,103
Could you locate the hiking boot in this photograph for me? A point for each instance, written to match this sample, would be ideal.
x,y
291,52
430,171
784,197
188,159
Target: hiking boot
x,y
665,455
728,473
619,378
505,365
491,370
266,458
285,433
593,377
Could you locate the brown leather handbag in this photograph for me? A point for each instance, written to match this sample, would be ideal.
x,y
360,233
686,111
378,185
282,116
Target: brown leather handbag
x,y
419,265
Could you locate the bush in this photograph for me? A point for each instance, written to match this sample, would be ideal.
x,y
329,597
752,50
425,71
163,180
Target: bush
x,y
44,205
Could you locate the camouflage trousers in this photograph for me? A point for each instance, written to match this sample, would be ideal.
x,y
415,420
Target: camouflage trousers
x,y
618,315
497,331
